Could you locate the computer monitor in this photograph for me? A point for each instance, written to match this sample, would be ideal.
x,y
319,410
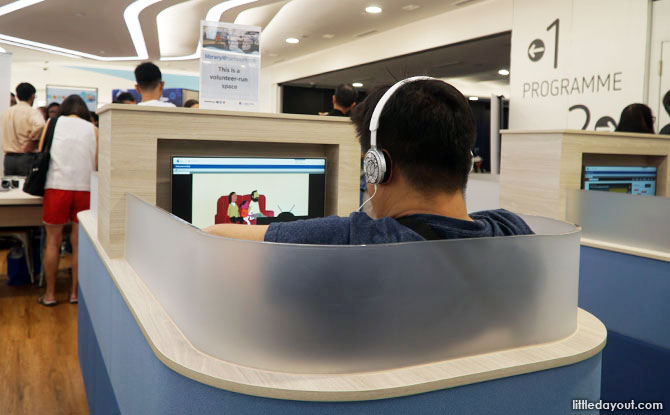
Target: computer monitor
x,y
247,190
637,180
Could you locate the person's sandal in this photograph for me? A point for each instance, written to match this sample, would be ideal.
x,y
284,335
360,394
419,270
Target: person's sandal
x,y
45,303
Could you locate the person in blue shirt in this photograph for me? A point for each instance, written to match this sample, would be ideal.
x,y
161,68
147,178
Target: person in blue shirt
x,y
426,132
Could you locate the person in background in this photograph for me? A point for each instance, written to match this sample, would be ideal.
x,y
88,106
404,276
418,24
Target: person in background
x,y
636,118
666,105
344,100
52,110
426,131
150,85
74,156
125,98
192,103
12,99
43,111
95,119
21,128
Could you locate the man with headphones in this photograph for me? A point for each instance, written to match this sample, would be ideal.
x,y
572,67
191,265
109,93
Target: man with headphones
x,y
420,133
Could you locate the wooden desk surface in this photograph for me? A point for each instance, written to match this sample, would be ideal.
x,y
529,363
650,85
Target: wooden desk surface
x,y
18,197
175,351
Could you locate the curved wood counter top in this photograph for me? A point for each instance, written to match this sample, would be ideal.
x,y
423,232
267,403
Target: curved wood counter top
x,y
173,349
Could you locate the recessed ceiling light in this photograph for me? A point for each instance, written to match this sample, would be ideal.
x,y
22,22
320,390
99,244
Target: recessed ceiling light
x,y
503,72
292,40
328,36
474,98
357,84
373,9
410,7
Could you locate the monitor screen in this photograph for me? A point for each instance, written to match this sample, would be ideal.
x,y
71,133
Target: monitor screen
x,y
635,180
251,191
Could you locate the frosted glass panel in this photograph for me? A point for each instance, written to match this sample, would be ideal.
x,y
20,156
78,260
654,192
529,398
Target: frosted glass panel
x,y
343,309
631,220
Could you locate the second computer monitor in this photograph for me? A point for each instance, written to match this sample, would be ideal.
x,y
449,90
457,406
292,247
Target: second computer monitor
x,y
637,180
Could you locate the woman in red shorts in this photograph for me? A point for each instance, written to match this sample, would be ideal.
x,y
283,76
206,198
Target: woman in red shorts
x,y
74,155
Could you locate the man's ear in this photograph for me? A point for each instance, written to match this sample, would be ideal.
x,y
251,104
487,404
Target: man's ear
x,y
137,88
162,86
333,100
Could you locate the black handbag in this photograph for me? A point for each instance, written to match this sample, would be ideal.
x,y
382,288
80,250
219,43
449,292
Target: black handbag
x,y
37,177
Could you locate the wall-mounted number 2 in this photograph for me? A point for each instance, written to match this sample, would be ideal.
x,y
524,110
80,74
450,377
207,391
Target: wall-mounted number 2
x,y
555,24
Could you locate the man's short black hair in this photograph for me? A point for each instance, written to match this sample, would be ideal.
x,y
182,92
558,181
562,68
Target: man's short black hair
x,y
666,102
345,95
190,103
24,91
124,96
148,75
53,104
428,129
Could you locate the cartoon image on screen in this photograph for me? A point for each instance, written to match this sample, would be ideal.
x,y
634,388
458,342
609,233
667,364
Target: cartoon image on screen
x,y
237,208
252,191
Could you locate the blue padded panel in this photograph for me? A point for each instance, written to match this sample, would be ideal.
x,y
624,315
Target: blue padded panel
x,y
143,385
101,397
629,294
635,370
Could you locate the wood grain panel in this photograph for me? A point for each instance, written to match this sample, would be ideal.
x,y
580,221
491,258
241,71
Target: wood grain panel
x,y
132,160
533,162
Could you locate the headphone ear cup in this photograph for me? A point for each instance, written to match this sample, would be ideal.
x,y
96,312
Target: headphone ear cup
x,y
374,164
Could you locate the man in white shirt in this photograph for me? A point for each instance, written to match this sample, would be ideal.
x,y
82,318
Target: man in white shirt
x,y
254,208
150,85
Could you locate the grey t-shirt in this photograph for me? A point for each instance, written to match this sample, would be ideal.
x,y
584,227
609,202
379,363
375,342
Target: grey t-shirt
x,y
360,229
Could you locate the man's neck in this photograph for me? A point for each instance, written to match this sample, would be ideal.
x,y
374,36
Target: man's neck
x,y
341,109
405,200
152,95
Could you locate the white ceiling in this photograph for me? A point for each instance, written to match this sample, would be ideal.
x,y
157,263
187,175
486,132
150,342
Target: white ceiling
x,y
170,28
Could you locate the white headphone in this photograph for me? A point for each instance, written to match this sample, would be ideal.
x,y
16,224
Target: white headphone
x,y
374,162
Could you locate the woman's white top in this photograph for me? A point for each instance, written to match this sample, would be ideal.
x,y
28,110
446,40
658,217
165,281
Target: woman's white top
x,y
72,155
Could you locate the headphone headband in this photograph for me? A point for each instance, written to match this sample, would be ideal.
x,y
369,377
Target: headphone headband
x,y
376,114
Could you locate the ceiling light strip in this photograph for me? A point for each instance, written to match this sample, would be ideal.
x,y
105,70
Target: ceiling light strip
x,y
17,5
213,15
132,17
9,42
130,14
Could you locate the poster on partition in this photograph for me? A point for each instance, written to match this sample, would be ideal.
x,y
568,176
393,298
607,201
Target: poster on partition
x,y
58,94
230,66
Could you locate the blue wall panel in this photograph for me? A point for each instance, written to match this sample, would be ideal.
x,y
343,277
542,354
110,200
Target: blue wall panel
x,y
631,296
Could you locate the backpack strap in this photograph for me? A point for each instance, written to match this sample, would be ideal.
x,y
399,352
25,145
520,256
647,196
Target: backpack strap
x,y
49,136
420,227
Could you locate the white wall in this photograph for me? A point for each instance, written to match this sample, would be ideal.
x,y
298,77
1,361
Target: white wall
x,y
41,74
54,73
5,68
470,22
660,32
599,41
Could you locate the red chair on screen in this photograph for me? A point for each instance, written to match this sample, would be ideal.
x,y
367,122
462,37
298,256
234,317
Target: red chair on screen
x,y
222,208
